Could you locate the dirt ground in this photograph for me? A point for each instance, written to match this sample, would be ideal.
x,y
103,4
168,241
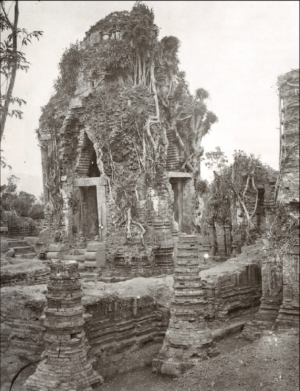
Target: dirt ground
x,y
270,364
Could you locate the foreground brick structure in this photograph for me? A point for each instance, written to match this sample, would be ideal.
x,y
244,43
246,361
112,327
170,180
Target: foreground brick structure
x,y
65,366
188,339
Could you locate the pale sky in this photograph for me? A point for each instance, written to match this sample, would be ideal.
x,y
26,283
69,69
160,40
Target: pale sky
x,y
235,50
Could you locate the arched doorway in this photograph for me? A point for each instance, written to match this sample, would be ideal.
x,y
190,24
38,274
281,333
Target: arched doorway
x,y
92,219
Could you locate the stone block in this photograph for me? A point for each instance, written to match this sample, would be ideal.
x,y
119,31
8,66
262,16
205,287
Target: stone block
x,y
96,252
95,38
55,255
175,353
59,247
101,258
172,368
95,246
45,136
76,102
31,240
90,264
3,246
90,256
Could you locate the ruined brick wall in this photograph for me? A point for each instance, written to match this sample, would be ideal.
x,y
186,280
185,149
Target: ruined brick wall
x,y
288,194
120,329
123,332
280,271
289,137
228,290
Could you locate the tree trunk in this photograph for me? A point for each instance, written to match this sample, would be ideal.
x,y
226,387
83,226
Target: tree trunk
x,y
144,72
135,71
128,231
154,89
213,238
248,217
140,69
13,72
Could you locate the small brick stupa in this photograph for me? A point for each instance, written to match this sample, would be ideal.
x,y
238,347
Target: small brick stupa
x,y
188,341
65,365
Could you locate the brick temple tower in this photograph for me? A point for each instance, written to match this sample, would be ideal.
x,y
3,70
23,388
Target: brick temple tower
x,y
65,365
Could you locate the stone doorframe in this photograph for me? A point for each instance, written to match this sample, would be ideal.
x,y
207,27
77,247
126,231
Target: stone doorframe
x,y
178,177
100,183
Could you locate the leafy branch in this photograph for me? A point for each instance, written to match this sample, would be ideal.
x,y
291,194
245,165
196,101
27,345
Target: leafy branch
x,y
12,60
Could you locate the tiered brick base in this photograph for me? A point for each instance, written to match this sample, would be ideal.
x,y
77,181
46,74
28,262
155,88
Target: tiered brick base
x,y
164,262
65,366
188,341
141,266
288,315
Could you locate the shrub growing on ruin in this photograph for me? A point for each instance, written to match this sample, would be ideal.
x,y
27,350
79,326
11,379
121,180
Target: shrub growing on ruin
x,y
234,183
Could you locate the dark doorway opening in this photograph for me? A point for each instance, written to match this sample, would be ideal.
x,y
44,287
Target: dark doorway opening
x,y
93,168
177,188
89,212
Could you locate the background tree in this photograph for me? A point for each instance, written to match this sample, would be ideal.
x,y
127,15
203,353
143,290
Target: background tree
x,y
36,212
12,59
3,163
8,192
24,204
234,183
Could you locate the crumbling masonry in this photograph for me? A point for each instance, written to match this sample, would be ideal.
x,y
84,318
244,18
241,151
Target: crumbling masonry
x,y
188,339
65,365
280,271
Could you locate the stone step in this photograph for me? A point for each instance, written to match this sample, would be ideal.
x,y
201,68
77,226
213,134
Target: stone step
x,y
15,243
69,257
23,249
26,256
81,251
90,279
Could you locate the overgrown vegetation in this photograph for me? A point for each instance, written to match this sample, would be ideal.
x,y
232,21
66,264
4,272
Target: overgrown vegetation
x,y
138,94
13,38
19,203
235,184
